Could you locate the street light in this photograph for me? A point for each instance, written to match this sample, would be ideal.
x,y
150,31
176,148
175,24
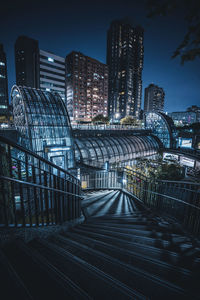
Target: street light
x,y
117,115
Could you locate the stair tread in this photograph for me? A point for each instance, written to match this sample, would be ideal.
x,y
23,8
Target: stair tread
x,y
121,251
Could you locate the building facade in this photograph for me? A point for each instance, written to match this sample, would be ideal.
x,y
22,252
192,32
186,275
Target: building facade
x,y
52,73
41,118
163,127
37,68
87,87
195,109
154,97
182,118
26,62
114,149
4,104
125,52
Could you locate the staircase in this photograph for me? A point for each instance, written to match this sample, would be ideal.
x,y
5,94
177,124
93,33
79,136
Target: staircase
x,y
122,251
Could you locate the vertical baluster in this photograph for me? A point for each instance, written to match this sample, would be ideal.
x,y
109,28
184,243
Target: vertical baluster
x,y
46,198
79,200
61,187
21,194
51,196
71,200
58,195
64,199
12,186
55,199
5,213
75,199
68,201
41,195
35,197
28,191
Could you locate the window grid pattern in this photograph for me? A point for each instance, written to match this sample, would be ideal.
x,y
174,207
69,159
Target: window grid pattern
x,y
42,118
163,127
96,151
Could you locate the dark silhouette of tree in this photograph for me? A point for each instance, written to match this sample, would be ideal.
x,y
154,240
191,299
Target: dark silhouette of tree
x,y
100,119
129,120
189,48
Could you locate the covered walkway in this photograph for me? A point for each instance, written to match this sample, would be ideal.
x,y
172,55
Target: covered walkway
x,y
96,151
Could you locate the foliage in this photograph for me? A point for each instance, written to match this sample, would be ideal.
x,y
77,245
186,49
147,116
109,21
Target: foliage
x,y
100,119
157,169
194,126
129,121
189,48
168,171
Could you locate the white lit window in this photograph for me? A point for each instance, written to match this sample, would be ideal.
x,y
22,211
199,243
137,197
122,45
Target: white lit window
x,y
50,59
2,63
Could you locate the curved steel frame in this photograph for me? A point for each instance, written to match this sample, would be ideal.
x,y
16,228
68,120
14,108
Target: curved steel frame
x,y
42,119
169,142
95,151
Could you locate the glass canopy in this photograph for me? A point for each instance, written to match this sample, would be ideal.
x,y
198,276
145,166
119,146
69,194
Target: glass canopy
x,y
42,119
96,151
163,127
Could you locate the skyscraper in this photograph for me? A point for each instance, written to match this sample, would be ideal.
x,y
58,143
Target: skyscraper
x,y
87,87
37,68
154,98
3,83
26,62
125,54
52,73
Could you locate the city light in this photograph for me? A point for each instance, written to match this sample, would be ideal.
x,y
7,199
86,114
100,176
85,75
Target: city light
x,y
100,150
50,59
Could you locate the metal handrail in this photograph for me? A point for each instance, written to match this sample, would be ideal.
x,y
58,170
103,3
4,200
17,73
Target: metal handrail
x,y
36,192
167,196
171,198
180,182
39,186
13,144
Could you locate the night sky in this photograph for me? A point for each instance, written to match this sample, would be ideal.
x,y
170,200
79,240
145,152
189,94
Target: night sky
x,y
82,26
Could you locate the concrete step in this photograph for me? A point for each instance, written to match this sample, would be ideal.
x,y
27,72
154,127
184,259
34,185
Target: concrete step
x,y
42,279
125,272
97,283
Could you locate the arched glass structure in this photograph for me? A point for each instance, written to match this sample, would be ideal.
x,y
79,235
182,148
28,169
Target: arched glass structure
x,y
96,151
41,117
163,127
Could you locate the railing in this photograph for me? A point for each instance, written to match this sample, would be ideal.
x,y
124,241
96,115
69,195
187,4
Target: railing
x,y
105,127
102,180
177,199
34,191
193,152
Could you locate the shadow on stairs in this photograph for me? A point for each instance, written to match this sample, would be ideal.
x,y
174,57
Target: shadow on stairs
x,y
120,252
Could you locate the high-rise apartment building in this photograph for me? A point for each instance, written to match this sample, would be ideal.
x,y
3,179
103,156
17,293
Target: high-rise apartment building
x,y
37,68
154,97
195,109
52,73
26,62
87,87
125,54
3,83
